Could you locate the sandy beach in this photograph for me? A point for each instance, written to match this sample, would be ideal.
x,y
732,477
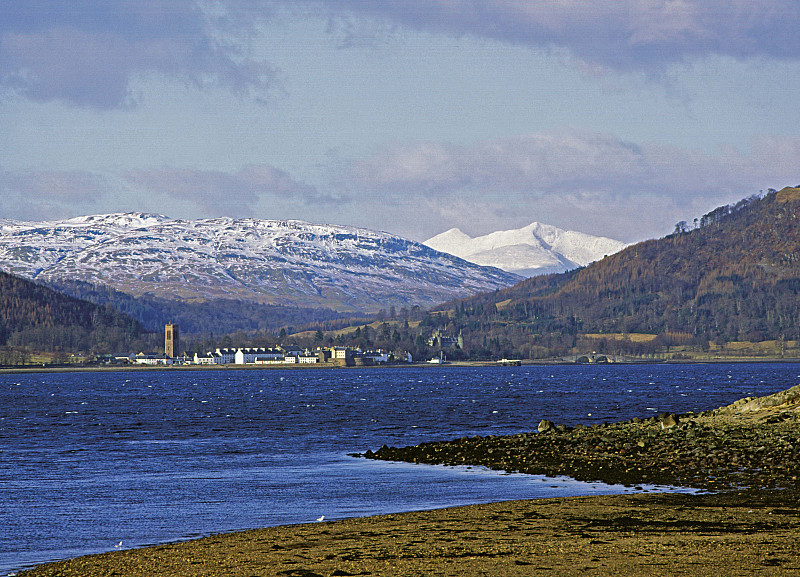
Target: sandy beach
x,y
669,534
745,453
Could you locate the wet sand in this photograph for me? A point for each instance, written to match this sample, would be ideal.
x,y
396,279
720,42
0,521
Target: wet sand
x,y
750,528
669,534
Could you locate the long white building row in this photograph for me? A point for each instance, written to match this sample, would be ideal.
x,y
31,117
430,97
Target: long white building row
x,y
286,355
257,356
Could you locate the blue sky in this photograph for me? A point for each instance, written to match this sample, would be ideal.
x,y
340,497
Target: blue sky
x,y
613,118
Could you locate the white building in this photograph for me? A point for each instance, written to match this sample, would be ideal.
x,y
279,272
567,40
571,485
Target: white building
x,y
378,357
213,358
143,359
260,356
280,361
291,350
206,359
341,352
226,356
257,355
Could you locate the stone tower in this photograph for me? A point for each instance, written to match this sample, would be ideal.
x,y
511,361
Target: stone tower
x,y
171,341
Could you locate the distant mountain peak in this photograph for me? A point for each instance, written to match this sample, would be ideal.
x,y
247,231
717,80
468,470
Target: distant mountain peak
x,y
735,276
528,251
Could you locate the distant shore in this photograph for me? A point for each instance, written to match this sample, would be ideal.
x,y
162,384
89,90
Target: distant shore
x,y
111,368
747,453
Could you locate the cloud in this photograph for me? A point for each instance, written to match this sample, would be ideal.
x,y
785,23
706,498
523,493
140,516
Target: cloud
x,y
48,194
218,192
550,163
598,182
197,192
88,52
623,35
64,187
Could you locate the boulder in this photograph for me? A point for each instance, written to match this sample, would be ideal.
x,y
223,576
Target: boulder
x,y
788,397
668,421
545,426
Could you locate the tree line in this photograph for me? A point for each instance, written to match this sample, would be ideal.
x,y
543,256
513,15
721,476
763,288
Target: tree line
x,y
736,277
36,317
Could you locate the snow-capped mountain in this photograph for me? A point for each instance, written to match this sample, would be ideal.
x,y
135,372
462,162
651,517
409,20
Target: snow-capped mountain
x,y
533,250
280,262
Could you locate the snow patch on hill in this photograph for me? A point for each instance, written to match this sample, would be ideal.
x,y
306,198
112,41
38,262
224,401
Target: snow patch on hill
x,y
282,262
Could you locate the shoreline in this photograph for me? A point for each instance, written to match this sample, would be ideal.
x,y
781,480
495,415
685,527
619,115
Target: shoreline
x,y
449,364
746,453
625,535
750,444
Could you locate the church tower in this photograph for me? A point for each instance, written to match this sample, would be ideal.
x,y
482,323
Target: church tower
x,y
171,340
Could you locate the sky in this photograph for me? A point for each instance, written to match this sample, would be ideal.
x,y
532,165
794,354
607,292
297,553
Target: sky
x,y
408,116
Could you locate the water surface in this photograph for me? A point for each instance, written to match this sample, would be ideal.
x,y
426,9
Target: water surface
x,y
89,460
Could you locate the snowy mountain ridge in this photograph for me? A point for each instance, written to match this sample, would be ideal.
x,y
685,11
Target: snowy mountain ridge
x,y
286,262
529,251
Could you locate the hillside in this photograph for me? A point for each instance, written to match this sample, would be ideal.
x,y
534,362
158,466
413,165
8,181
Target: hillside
x,y
734,276
219,316
288,263
38,317
529,251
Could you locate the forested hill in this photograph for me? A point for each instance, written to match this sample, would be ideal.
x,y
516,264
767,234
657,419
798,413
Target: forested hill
x,y
732,275
38,317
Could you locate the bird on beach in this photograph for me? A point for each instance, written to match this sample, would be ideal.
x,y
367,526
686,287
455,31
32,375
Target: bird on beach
x,y
321,519
118,545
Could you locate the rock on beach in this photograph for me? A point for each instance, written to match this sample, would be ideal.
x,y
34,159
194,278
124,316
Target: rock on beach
x,y
750,444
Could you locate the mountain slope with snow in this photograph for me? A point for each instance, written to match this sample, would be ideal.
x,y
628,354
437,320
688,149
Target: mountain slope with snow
x,y
533,250
279,262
